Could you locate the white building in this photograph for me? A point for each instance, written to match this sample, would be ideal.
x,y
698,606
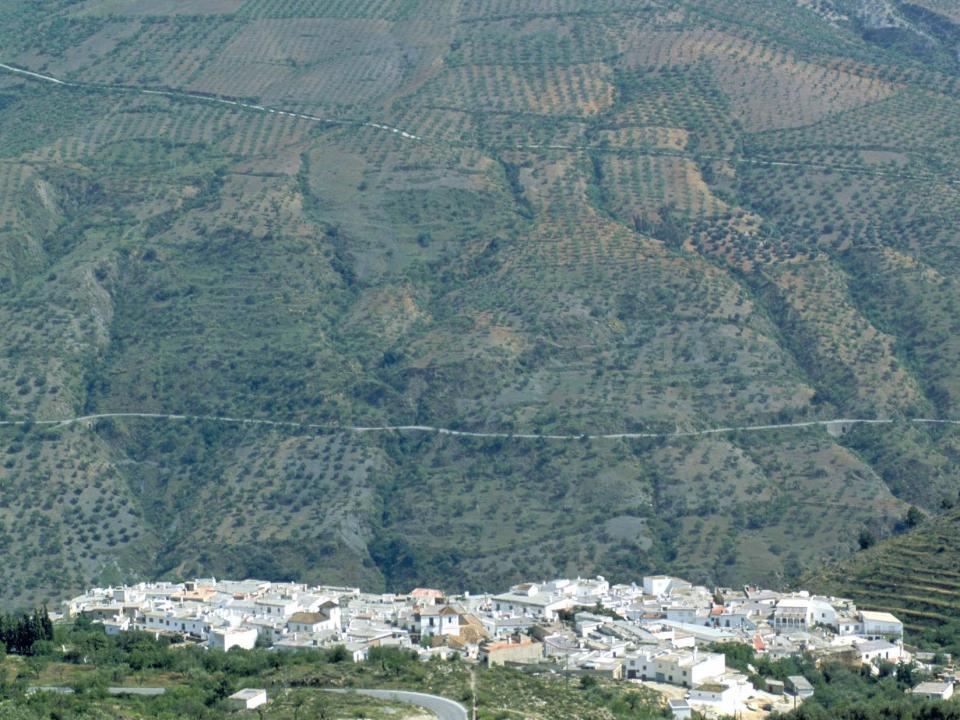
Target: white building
x,y
665,621
934,690
586,623
803,613
713,694
226,638
879,625
876,650
180,620
529,599
658,585
799,686
505,626
687,613
437,620
247,699
327,617
269,630
849,625
116,626
276,606
584,591
687,668
723,694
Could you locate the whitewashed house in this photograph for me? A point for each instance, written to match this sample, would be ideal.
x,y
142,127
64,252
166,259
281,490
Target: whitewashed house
x,y
437,620
226,638
686,668
269,630
685,613
327,617
586,623
880,625
876,650
177,621
658,585
803,613
848,625
529,599
276,606
117,625
505,626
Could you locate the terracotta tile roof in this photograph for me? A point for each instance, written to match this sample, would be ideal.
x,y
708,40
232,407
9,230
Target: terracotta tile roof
x,y
426,592
305,618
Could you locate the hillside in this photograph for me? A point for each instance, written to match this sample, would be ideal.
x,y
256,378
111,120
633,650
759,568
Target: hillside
x,y
915,575
538,217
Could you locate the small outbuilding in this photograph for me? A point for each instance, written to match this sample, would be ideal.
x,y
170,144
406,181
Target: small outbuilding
x,y
934,690
774,687
247,699
799,686
680,708
714,693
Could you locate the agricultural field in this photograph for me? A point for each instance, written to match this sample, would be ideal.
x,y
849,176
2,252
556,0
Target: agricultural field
x,y
914,575
538,217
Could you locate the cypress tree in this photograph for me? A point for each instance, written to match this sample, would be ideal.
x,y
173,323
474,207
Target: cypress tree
x,y
46,624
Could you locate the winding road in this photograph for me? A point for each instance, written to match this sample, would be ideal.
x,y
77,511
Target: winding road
x,y
836,423
444,709
209,98
182,94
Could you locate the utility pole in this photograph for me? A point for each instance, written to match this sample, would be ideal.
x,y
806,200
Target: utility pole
x,y
473,691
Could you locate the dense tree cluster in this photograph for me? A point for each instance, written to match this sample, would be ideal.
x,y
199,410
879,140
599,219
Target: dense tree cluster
x,y
20,632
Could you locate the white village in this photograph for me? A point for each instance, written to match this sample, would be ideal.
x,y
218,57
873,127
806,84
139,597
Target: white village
x,y
660,632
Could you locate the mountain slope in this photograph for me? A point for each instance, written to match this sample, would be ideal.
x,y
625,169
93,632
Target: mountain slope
x,y
547,217
915,575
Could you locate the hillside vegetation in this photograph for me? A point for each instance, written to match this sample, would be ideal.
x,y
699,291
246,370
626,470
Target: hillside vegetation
x,y
196,682
915,575
544,216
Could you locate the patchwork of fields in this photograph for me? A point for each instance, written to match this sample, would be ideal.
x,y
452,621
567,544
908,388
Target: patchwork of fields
x,y
600,215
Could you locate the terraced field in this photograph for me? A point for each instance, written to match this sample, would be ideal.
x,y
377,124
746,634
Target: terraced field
x,y
547,216
915,576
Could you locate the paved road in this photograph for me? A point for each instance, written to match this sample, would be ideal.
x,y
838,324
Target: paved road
x,y
65,690
212,99
142,691
862,170
835,423
443,708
